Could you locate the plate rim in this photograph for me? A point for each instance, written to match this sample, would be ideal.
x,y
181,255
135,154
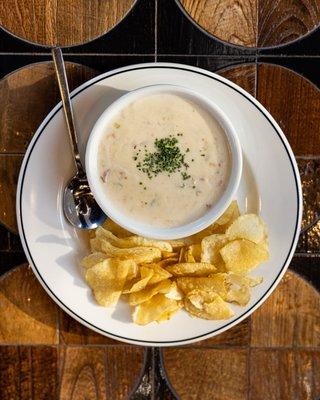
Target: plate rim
x,y
207,74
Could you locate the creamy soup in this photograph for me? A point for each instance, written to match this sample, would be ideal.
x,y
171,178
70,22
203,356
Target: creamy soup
x,y
164,160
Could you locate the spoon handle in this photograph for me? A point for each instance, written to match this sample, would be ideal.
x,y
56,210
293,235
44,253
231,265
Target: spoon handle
x,y
66,102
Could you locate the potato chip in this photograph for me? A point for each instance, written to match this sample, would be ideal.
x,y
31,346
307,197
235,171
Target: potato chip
x,y
241,256
230,215
150,291
248,226
92,259
132,241
240,295
207,305
195,251
191,269
168,254
116,229
240,280
216,283
174,293
140,283
210,250
167,261
158,308
159,273
107,279
239,290
138,254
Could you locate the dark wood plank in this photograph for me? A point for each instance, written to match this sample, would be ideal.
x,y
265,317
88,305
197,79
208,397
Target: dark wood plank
x,y
290,317
123,367
95,373
53,23
284,374
207,374
9,172
82,374
74,333
283,21
243,75
299,118
234,21
19,119
28,315
28,373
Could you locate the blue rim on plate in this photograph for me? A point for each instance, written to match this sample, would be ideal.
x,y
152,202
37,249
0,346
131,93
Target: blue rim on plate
x,y
207,74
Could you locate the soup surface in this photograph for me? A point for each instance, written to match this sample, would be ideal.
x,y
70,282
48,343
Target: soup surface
x,y
164,160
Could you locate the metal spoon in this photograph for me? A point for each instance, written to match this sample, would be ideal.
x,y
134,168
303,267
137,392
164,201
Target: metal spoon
x,y
79,205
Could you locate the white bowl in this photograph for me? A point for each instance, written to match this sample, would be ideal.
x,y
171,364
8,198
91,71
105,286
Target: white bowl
x,y
144,229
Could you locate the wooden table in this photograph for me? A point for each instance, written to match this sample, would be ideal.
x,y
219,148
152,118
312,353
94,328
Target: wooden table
x,y
270,48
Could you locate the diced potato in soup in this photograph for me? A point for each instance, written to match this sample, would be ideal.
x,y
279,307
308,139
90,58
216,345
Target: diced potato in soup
x,y
164,160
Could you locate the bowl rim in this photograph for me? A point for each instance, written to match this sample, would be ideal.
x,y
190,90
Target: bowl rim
x,y
144,229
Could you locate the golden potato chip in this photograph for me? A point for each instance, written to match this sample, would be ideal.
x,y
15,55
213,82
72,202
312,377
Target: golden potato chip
x,y
132,241
208,305
239,295
159,273
210,250
158,308
167,261
150,291
107,279
174,293
240,280
116,229
93,259
241,256
216,283
139,283
138,254
168,254
191,269
230,215
195,251
248,226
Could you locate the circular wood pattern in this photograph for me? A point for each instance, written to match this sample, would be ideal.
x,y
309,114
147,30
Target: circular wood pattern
x,y
62,22
255,23
19,119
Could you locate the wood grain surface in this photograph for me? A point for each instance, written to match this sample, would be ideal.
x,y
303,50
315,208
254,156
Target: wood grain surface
x,y
74,333
62,22
19,120
243,75
98,373
207,374
28,315
231,20
9,172
82,372
251,23
28,373
282,21
291,317
284,374
299,118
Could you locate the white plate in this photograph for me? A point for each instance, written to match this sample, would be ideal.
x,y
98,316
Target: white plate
x,y
270,185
